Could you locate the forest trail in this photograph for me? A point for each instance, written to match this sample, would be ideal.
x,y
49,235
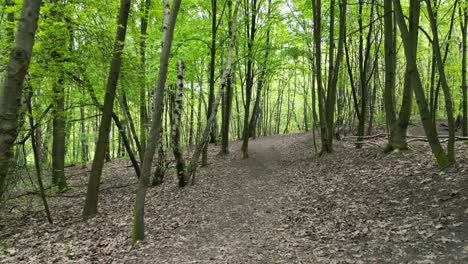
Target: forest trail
x,y
282,205
242,219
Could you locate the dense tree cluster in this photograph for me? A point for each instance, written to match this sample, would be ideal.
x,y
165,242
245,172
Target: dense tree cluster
x,y
143,79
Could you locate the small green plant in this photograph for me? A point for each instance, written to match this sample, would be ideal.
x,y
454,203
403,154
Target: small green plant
x,y
6,242
68,248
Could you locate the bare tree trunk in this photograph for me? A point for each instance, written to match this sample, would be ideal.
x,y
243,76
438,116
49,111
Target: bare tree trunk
x,y
443,80
10,97
464,26
131,124
176,126
192,168
138,231
37,160
429,128
227,108
145,6
90,208
211,95
249,78
192,113
84,142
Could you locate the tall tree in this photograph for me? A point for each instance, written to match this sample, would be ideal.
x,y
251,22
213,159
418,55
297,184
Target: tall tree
x,y
327,101
227,100
57,43
91,202
138,231
145,6
444,83
177,125
249,74
193,166
10,96
397,124
463,8
261,80
410,54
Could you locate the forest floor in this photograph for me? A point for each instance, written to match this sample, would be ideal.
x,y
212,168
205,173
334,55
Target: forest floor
x,y
282,205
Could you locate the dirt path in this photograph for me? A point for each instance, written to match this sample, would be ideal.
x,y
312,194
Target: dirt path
x,y
242,219
282,205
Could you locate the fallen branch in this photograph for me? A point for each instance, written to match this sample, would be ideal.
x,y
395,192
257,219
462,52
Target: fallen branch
x,y
444,139
366,137
367,143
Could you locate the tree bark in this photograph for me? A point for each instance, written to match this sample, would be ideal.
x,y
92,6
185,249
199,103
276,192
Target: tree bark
x,y
90,207
10,97
145,6
192,168
37,160
444,83
429,128
249,78
177,124
464,26
138,231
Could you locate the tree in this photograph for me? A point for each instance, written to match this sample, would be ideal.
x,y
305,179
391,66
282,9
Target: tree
x,y
193,166
57,44
249,74
464,27
90,207
410,54
397,125
327,102
138,232
177,125
10,97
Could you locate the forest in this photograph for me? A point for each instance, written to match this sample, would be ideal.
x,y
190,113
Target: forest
x,y
233,131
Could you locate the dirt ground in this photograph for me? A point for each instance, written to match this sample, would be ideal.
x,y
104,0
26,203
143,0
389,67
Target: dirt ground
x,y
282,205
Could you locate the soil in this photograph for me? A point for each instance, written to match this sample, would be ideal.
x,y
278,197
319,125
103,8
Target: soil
x,y
284,204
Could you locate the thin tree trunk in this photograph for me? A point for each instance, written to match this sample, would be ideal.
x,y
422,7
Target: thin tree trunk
x,y
192,168
131,124
145,6
37,160
464,26
176,126
429,128
84,142
192,113
90,208
211,95
138,231
249,75
443,80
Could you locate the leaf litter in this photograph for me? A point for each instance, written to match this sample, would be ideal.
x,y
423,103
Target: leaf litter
x,y
282,205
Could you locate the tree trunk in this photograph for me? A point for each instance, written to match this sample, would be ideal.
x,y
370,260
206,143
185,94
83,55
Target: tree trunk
x,y
10,97
249,78
83,134
58,136
192,113
464,26
444,83
192,168
145,6
429,128
177,124
90,208
37,160
138,231
131,124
